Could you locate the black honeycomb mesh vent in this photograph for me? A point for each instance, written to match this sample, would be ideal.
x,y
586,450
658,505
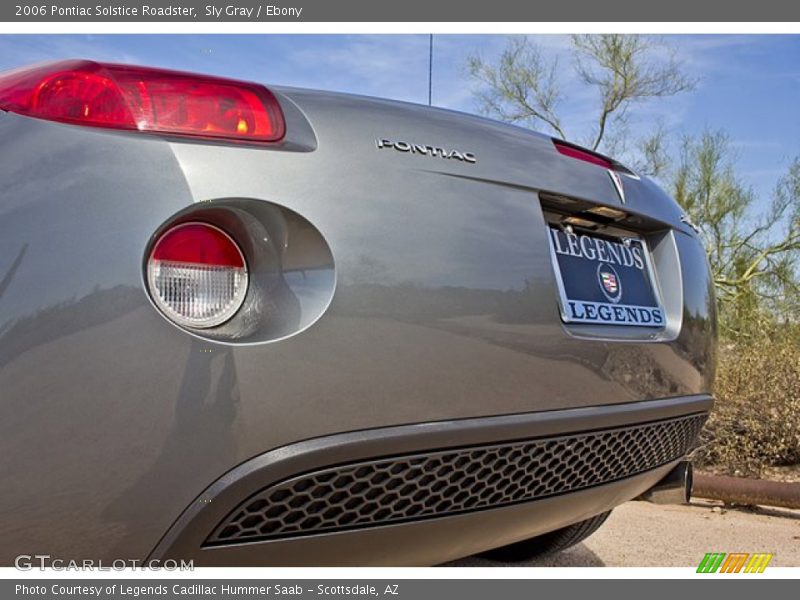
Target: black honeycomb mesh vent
x,y
435,484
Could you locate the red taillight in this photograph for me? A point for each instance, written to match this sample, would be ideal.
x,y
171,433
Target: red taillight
x,y
200,244
197,275
143,99
581,154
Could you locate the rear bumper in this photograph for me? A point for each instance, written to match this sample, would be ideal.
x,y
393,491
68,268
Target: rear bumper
x,y
432,492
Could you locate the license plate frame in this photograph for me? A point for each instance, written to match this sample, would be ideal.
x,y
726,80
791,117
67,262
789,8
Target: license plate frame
x,y
614,294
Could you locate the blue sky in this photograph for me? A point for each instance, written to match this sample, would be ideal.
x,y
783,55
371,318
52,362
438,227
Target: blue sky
x,y
747,85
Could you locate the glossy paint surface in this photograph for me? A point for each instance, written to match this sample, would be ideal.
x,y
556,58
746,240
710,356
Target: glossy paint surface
x,y
113,420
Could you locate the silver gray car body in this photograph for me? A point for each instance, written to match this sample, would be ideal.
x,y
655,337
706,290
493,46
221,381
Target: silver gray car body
x,y
432,323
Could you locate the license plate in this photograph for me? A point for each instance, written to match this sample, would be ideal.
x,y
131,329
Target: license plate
x,y
604,280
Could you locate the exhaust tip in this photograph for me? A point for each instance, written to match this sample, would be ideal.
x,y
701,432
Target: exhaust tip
x,y
674,488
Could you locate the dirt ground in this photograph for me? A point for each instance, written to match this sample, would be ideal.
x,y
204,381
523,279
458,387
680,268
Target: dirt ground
x,y
639,534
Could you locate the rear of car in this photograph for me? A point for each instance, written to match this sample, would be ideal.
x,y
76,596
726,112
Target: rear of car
x,y
330,330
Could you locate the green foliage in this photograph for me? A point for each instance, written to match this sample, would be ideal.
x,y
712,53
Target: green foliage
x,y
752,245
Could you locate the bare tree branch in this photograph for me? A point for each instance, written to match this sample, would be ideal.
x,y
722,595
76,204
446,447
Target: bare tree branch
x,y
521,87
623,70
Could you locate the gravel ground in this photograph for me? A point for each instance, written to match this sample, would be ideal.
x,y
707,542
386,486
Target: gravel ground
x,y
640,534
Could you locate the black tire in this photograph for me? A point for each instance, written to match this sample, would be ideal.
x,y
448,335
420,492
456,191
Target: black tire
x,y
548,543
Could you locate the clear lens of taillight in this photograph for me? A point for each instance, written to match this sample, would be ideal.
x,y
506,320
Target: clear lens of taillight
x,y
197,275
174,103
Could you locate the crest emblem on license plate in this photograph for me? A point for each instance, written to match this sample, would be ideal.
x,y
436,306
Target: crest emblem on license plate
x,y
610,282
